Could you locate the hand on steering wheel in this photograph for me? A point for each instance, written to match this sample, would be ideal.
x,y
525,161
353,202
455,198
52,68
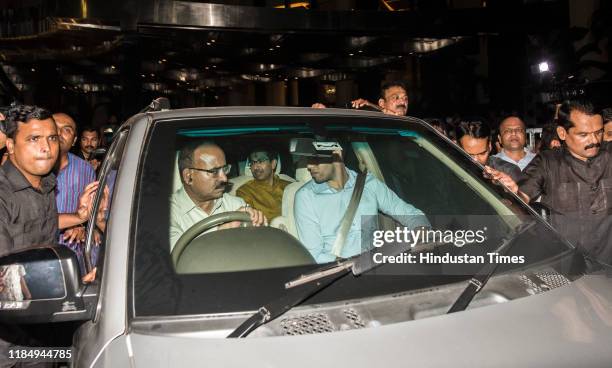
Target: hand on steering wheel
x,y
257,218
246,215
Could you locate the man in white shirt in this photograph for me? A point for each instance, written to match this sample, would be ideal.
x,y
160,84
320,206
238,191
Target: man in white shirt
x,y
204,175
513,138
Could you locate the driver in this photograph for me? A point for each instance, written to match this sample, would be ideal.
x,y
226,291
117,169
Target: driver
x,y
204,175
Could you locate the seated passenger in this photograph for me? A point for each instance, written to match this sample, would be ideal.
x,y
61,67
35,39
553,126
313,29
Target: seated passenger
x,y
265,192
321,203
203,173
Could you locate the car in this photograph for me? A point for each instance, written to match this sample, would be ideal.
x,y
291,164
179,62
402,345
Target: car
x,y
495,286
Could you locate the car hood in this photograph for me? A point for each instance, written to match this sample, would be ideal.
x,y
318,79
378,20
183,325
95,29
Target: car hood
x,y
566,327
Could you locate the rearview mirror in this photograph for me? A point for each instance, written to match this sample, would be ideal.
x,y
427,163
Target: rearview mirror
x,y
308,147
41,285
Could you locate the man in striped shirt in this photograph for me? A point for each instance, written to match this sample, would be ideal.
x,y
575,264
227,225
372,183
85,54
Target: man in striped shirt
x,y
73,176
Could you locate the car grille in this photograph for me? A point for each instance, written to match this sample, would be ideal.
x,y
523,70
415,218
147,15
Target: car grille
x,y
543,281
307,324
553,279
355,319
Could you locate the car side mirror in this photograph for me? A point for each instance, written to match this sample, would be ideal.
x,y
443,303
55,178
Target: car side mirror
x,y
41,285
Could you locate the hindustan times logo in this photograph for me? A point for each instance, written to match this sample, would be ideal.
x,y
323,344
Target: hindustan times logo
x,y
415,236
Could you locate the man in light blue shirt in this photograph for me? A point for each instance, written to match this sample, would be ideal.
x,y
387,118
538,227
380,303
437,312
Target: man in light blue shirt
x,y
513,139
321,203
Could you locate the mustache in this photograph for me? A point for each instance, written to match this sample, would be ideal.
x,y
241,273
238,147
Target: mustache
x,y
592,145
402,106
221,185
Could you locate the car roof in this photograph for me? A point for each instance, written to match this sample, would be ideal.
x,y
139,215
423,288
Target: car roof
x,y
254,111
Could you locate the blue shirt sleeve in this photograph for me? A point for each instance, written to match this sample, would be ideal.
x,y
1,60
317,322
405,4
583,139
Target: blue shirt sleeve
x,y
392,205
90,174
307,223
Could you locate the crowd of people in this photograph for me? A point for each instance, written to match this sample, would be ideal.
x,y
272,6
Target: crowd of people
x,y
49,164
569,170
48,177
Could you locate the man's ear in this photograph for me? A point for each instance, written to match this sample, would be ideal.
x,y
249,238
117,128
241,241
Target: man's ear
x,y
381,103
10,145
561,132
273,162
490,146
186,176
74,141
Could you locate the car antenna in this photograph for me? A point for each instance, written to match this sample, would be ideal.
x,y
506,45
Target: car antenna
x,y
158,104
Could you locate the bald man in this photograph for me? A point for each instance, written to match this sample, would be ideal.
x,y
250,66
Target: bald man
x,y
73,177
512,135
204,172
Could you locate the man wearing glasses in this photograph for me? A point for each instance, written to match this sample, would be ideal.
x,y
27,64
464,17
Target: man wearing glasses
x,y
512,137
575,182
204,175
265,191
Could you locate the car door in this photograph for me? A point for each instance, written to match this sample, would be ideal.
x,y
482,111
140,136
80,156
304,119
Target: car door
x,y
93,336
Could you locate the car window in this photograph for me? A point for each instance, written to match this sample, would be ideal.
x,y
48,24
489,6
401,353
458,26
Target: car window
x,y
98,229
239,269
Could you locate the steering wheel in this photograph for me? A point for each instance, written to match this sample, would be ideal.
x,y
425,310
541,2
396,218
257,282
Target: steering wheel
x,y
202,226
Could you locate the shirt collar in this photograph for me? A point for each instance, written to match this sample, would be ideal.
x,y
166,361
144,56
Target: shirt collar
x,y
186,205
19,182
568,155
528,154
320,188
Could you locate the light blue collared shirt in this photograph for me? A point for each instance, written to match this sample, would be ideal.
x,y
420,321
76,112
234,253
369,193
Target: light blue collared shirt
x,y
522,163
319,209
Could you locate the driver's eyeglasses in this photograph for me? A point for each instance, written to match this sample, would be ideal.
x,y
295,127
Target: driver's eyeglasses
x,y
215,171
258,162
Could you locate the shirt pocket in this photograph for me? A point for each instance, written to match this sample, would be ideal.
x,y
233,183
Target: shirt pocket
x,y
27,233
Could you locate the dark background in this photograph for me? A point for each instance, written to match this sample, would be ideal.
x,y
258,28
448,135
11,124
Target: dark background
x,y
102,61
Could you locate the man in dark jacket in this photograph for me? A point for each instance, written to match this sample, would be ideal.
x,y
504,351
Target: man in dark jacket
x,y
575,182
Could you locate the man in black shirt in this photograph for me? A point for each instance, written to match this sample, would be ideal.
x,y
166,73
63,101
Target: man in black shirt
x,y
28,215
28,212
474,136
575,182
89,141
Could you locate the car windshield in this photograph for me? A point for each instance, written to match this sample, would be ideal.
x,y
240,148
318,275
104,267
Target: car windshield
x,y
419,188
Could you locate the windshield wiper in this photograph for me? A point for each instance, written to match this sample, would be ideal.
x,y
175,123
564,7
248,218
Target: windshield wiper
x,y
324,276
480,279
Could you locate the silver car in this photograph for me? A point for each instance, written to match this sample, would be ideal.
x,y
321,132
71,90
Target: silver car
x,y
517,295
